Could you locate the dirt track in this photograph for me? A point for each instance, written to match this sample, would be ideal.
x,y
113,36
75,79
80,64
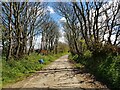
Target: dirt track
x,y
59,74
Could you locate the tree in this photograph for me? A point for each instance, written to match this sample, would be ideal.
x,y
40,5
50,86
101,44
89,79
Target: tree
x,y
50,35
91,21
21,22
70,26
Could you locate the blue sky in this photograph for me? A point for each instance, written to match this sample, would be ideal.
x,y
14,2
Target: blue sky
x,y
53,14
50,0
57,18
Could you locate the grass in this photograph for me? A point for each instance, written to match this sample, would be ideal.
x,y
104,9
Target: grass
x,y
0,72
106,67
16,70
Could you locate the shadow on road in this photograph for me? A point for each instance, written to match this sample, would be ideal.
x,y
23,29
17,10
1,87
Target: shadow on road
x,y
54,89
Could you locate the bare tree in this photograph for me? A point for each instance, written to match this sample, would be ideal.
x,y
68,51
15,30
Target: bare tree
x,y
21,22
91,21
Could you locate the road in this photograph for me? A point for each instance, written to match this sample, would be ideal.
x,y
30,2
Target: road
x,y
59,75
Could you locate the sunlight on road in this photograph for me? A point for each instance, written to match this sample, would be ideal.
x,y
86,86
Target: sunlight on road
x,y
59,74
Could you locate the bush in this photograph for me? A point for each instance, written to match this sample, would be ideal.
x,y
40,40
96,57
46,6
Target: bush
x,y
75,57
70,56
105,67
14,70
87,54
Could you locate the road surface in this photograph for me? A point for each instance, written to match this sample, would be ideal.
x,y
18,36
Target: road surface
x,y
59,75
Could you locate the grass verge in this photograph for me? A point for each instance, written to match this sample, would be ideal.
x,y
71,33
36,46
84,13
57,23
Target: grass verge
x,y
16,70
106,67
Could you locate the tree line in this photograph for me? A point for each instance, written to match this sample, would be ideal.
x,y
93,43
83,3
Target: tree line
x,y
21,23
91,25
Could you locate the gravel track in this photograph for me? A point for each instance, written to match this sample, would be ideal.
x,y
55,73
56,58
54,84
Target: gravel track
x,y
59,75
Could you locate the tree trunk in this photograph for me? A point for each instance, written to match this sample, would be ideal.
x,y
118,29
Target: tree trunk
x,y
19,35
10,34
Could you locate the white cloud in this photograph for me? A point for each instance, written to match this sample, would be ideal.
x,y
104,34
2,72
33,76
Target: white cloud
x,y
37,42
62,30
50,9
112,38
63,19
62,38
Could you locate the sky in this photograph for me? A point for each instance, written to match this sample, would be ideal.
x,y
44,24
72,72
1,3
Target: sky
x,y
58,19
36,0
55,16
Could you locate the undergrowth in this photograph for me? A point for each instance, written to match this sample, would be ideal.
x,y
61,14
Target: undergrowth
x,y
15,70
106,67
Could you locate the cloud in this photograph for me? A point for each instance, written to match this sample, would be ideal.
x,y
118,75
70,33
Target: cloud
x,y
62,38
63,19
50,9
37,42
112,38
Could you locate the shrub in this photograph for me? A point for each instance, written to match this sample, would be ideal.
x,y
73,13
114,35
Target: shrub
x,y
87,54
105,67
13,69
